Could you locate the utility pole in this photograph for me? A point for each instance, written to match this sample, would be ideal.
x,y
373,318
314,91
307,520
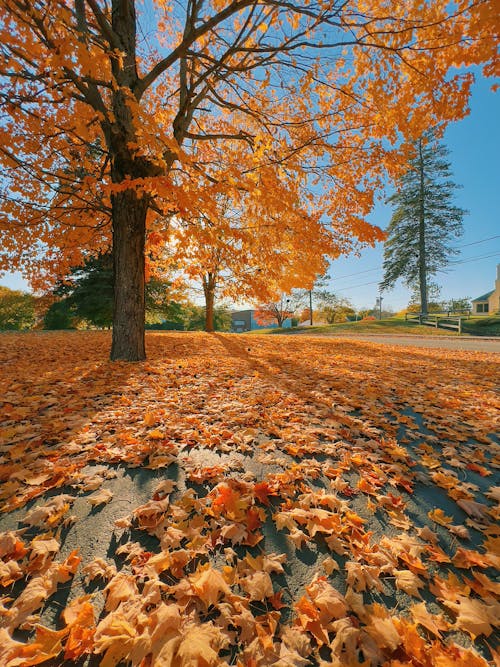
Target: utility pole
x,y
379,304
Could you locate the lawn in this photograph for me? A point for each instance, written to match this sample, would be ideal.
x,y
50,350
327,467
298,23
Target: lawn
x,y
478,326
251,501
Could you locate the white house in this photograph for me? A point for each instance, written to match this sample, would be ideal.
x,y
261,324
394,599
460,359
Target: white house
x,y
489,302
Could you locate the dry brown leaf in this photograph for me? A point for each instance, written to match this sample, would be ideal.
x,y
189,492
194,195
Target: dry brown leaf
x,y
208,585
431,622
122,587
473,616
200,645
39,589
363,577
408,582
49,514
99,568
258,585
101,497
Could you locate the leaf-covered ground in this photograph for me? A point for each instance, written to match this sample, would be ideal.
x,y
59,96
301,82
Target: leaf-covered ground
x,y
247,501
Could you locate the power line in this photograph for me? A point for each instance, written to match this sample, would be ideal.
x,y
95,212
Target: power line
x,y
490,238
465,261
473,259
465,245
350,275
343,289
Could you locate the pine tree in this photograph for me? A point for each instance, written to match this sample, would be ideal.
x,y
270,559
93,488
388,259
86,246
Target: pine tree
x,y
425,220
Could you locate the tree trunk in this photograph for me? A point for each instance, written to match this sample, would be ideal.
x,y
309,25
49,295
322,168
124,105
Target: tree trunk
x,y
422,257
209,291
129,210
129,232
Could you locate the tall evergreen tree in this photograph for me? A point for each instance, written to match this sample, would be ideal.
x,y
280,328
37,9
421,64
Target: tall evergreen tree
x,y
425,220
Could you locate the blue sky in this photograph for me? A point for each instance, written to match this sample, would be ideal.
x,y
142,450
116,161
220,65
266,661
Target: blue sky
x,y
474,144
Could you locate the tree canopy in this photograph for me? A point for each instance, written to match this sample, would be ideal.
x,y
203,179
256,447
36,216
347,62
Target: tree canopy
x,y
17,309
117,116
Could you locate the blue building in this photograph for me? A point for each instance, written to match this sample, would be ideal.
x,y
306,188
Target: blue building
x,y
244,320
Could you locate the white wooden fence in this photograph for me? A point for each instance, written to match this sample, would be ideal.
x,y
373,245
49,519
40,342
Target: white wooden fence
x,y
438,320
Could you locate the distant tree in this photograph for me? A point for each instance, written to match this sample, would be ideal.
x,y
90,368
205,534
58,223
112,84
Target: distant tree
x,y
243,253
460,305
59,316
434,302
277,312
424,221
89,291
268,314
195,318
163,302
305,315
17,310
333,308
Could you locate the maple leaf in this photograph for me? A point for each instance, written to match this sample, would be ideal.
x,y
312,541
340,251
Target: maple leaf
x,y
39,589
361,577
10,571
200,645
120,588
47,645
41,551
117,638
486,583
439,517
51,513
382,629
262,491
460,531
330,603
150,418
11,547
473,509
414,645
466,558
234,532
238,616
298,537
345,644
11,651
258,585
494,493
208,585
433,623
101,497
79,617
408,582
267,562
473,616
329,565
163,489
99,568
150,515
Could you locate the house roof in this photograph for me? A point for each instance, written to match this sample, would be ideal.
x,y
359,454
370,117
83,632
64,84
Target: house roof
x,y
484,297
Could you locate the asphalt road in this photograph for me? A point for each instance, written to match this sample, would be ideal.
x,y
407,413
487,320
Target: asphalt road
x,y
472,343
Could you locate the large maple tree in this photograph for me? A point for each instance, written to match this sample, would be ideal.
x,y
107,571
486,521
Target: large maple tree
x,y
111,110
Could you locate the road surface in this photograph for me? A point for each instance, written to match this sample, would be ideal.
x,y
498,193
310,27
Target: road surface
x,y
473,343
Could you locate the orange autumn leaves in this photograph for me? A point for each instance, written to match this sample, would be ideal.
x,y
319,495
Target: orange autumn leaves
x,y
338,104
253,456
